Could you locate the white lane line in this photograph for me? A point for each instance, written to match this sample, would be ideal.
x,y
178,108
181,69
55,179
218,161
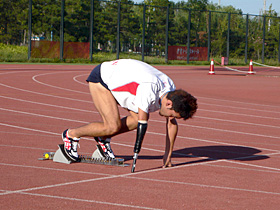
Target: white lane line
x,y
262,111
238,122
76,79
208,186
149,132
42,83
200,127
54,169
238,102
239,108
239,114
90,201
224,130
147,179
256,166
41,115
44,94
201,97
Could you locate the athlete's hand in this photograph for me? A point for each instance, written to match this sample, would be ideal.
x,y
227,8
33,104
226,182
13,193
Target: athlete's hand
x,y
166,162
168,165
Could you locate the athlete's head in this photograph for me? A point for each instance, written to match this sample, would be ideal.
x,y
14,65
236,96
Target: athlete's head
x,y
183,104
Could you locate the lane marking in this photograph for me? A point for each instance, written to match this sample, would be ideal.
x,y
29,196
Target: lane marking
x,y
89,201
174,167
238,122
147,179
239,114
73,70
201,127
149,132
239,108
42,83
209,186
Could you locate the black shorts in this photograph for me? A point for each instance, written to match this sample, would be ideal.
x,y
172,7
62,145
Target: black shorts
x,y
95,76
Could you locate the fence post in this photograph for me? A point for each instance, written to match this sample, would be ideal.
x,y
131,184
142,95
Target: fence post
x,y
143,32
29,29
228,35
62,29
279,43
91,29
246,37
166,34
118,30
209,37
189,34
264,19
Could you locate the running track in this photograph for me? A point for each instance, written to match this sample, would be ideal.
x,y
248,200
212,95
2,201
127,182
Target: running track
x,y
227,157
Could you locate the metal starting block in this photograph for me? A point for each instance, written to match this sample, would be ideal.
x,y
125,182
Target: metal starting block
x,y
96,158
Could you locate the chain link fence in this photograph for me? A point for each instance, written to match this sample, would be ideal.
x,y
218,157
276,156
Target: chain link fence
x,y
68,29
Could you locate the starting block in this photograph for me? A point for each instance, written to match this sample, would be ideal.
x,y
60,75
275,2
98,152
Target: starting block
x,y
60,155
96,158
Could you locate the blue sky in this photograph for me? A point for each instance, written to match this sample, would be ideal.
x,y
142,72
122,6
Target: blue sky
x,y
247,6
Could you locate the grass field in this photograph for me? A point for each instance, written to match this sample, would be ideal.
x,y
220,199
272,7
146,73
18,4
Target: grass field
x,y
14,53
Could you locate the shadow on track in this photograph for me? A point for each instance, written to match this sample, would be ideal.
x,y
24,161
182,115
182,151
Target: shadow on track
x,y
210,153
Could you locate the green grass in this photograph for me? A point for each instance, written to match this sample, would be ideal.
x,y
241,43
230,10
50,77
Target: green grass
x,y
13,53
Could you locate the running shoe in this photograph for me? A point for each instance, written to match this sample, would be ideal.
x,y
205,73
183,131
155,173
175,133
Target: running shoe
x,y
70,146
106,147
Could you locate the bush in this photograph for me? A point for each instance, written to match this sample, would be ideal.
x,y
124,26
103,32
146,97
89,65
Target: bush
x,y
13,53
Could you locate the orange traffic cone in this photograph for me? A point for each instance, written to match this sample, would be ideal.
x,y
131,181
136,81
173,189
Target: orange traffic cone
x,y
251,68
211,72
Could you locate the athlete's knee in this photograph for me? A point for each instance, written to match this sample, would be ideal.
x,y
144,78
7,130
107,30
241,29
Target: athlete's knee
x,y
113,128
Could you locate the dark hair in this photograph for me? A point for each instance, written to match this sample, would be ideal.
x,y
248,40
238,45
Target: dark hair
x,y
183,103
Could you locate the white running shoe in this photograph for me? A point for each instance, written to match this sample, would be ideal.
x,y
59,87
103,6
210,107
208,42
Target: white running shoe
x,y
70,146
106,147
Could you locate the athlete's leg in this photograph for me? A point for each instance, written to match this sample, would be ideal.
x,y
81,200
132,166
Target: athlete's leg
x,y
107,106
128,123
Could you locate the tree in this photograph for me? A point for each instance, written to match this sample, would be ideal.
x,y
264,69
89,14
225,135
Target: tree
x,y
46,18
156,14
12,24
129,25
77,20
272,33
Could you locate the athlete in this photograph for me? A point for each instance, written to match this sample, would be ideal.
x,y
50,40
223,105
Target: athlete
x,y
139,88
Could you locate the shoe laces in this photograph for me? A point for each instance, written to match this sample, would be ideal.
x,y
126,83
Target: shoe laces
x,y
108,147
75,144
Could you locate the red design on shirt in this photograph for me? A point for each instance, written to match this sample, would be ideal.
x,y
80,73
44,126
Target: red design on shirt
x,y
130,87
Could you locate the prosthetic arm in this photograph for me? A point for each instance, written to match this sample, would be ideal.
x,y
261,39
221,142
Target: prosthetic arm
x,y
141,130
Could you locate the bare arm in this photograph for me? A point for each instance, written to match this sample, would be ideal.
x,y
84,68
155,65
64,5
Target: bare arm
x,y
142,115
171,133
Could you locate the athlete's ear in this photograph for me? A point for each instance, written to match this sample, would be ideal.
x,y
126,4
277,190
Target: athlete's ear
x,y
168,104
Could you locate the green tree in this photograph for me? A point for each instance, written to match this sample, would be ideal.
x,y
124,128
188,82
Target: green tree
x,y
129,25
180,27
156,14
77,20
12,22
272,34
198,28
46,18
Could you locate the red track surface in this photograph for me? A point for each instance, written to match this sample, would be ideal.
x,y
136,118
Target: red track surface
x,y
227,157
